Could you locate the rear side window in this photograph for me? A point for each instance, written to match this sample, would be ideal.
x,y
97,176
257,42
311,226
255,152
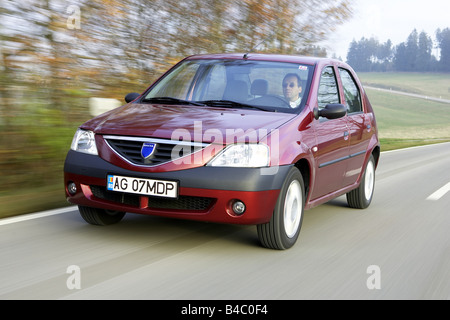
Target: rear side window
x,y
351,92
328,88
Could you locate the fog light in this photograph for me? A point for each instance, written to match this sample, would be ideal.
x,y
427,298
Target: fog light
x,y
238,207
72,188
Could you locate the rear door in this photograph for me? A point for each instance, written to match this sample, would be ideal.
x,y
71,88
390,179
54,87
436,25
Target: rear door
x,y
358,126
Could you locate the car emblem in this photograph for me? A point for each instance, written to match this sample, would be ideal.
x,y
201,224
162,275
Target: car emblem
x,y
147,150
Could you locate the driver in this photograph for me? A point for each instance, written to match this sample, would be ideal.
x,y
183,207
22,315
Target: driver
x,y
292,89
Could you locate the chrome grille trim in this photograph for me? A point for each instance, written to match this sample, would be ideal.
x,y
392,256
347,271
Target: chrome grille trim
x,y
129,149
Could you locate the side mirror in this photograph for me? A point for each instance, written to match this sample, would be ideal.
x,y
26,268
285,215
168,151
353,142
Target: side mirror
x,y
331,111
131,96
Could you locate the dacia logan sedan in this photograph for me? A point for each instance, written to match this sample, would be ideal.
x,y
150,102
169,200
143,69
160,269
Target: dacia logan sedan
x,y
250,139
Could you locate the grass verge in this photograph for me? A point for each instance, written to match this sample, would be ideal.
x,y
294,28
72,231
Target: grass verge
x,y
388,144
23,201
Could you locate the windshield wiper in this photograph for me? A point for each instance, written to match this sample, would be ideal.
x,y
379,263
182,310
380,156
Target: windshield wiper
x,y
231,104
170,100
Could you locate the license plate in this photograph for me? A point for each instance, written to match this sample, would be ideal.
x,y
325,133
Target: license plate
x,y
150,187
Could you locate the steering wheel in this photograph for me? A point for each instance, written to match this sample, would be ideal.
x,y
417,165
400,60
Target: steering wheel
x,y
272,101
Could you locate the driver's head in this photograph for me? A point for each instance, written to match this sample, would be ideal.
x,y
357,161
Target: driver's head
x,y
292,86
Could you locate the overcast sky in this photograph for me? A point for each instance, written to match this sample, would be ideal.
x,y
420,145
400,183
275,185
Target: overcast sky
x,y
389,19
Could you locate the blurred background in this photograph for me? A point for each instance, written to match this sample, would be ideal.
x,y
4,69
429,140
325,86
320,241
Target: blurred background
x,y
56,55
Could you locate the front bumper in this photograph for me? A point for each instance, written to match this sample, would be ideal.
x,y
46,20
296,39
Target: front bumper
x,y
205,193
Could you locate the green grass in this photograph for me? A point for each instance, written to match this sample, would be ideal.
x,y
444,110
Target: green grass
x,y
428,84
403,117
402,122
395,144
22,201
406,121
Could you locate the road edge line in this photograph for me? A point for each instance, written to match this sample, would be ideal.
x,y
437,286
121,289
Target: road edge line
x,y
416,147
31,216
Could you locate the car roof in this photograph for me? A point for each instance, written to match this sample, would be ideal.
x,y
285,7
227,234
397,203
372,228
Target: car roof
x,y
267,57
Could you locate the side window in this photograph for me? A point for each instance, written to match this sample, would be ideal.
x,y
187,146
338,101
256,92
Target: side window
x,y
351,92
328,88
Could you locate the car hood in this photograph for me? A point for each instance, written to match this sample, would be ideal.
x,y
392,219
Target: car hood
x,y
201,124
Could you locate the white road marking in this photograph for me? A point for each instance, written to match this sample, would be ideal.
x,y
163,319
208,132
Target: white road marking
x,y
439,193
416,147
35,215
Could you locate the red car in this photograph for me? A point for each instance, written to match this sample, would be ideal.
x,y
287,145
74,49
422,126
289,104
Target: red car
x,y
230,138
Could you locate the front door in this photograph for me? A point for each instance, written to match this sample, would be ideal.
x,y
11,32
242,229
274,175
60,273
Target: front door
x,y
332,136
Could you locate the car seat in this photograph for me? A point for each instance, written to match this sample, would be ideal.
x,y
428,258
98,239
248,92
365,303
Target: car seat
x,y
236,90
259,87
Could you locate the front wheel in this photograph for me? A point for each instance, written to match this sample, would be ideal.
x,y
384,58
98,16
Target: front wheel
x,y
361,197
282,231
100,217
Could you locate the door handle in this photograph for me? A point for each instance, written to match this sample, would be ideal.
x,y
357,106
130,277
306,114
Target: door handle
x,y
346,134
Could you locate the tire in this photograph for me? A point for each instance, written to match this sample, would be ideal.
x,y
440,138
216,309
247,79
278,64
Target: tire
x,y
361,197
100,217
282,231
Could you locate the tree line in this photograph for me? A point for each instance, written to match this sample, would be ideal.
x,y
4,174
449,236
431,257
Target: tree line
x,y
419,53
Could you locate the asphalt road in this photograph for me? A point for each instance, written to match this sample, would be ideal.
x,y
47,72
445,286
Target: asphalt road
x,y
398,248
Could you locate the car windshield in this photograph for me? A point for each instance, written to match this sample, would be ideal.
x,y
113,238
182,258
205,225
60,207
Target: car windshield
x,y
262,85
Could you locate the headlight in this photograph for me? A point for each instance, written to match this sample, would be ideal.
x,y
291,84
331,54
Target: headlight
x,y
84,141
242,155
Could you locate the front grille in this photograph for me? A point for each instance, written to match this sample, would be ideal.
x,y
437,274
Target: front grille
x,y
166,150
188,203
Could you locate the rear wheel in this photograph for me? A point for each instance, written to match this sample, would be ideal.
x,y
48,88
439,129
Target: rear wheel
x,y
100,217
361,197
282,231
